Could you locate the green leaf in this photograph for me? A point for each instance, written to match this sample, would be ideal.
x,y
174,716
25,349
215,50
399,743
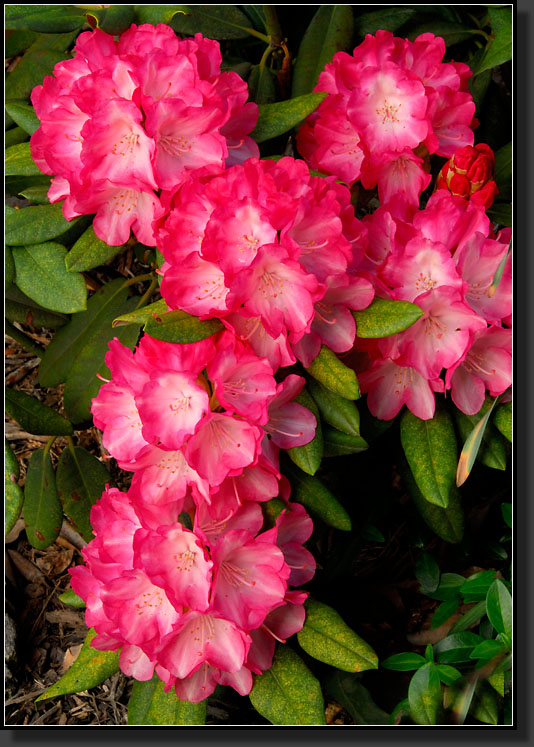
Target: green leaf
x,y
80,479
262,85
38,61
288,694
311,492
456,647
113,19
507,513
13,495
18,42
449,587
42,510
427,572
36,224
19,308
499,608
34,416
336,443
14,137
503,171
178,326
424,695
389,19
326,637
24,115
67,343
9,267
82,384
448,674
497,682
407,662
50,19
38,194
499,50
90,669
384,317
430,448
501,213
451,33
447,523
72,599
309,456
89,252
19,161
470,618
487,649
477,585
213,21
149,705
485,707
276,119
502,419
339,412
334,375
444,612
329,32
142,315
482,441
355,698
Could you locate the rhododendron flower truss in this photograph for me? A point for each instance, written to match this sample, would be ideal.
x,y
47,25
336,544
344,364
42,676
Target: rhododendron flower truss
x,y
123,119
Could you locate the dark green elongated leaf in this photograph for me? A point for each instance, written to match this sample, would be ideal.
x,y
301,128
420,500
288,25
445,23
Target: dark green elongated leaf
x,y
478,84
449,587
336,443
427,572
13,495
24,115
41,274
16,184
113,19
14,137
309,456
503,171
142,315
49,19
327,637
507,513
18,41
477,585
37,62
346,689
448,674
23,339
80,480
499,50
481,441
502,419
19,308
288,694
89,252
329,32
487,649
149,705
37,195
262,85
318,499
334,375
34,416
213,21
9,266
336,410
19,161
90,669
36,224
451,32
501,213
499,608
178,326
407,662
42,510
256,15
72,599
384,317
444,612
66,344
430,448
276,119
456,647
82,384
447,523
470,618
155,14
424,695
389,19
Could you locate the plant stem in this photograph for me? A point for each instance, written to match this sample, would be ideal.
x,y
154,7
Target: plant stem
x,y
273,26
144,298
48,445
138,279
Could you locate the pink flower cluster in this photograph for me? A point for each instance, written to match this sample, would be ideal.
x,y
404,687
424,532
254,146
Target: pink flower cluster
x,y
201,427
389,103
270,250
443,259
124,119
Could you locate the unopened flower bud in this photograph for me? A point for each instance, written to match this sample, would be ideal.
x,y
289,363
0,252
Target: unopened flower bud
x,y
470,172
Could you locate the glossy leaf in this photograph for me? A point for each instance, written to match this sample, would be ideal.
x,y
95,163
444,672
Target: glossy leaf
x,y
9,266
326,637
42,510
309,456
89,252
499,50
336,410
24,115
50,19
507,513
213,21
38,61
449,587
141,316
456,647
80,479
13,495
481,441
499,608
334,375
424,695
384,317
329,32
470,618
501,213
18,41
38,194
451,32
488,649
178,326
34,416
502,419
288,694
67,343
336,443
19,161
23,339
90,669
497,682
15,136
476,698
149,705
36,224
311,492
407,662
448,674
430,448
282,116
19,308
389,19
477,585
113,19
427,572
72,599
444,612
347,690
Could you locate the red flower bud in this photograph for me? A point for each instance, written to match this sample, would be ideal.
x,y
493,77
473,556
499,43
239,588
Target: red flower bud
x,y
460,185
467,173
